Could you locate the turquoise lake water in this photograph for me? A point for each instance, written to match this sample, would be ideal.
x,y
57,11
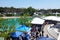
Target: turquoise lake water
x,y
13,21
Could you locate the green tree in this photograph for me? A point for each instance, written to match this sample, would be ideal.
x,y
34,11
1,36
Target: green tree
x,y
31,10
24,20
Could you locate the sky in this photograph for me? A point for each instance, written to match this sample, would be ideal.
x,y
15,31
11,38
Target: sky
x,y
38,4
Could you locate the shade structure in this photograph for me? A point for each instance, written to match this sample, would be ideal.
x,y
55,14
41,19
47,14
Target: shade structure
x,y
23,28
44,38
16,34
37,21
54,18
50,18
58,19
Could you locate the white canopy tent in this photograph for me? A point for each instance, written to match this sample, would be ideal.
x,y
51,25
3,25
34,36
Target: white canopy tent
x,y
37,21
54,18
50,18
58,19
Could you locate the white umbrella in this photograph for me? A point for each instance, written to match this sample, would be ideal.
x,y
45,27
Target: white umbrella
x,y
37,21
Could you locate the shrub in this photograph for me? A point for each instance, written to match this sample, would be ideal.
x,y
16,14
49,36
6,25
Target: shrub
x,y
9,14
1,15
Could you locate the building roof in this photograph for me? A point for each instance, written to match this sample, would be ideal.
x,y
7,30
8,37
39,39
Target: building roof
x,y
37,21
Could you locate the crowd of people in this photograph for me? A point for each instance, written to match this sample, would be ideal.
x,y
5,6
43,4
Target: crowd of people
x,y
35,33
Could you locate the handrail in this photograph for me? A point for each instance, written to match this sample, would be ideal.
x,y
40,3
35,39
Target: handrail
x,y
58,37
51,31
51,35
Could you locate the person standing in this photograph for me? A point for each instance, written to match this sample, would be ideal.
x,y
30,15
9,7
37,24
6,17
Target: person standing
x,y
42,33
